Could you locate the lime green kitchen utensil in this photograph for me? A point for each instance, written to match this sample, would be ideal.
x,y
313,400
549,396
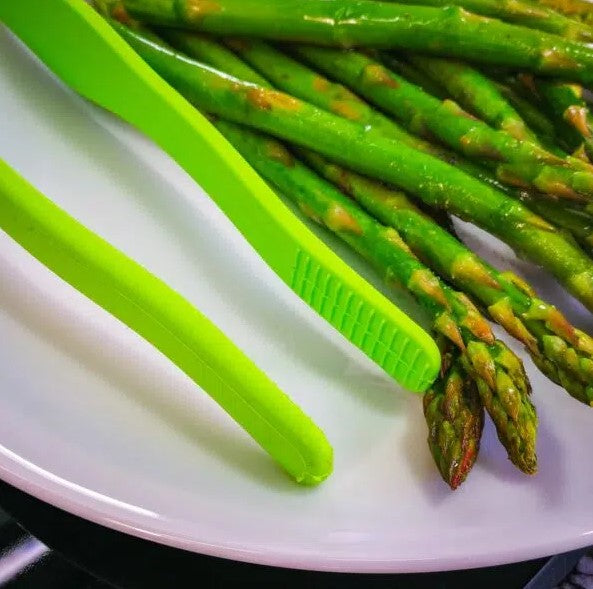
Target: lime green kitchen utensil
x,y
169,322
83,50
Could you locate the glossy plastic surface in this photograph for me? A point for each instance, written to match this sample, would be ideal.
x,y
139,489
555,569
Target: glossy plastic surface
x,y
84,52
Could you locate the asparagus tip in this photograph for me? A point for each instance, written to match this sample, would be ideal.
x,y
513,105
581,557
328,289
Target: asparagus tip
x,y
576,116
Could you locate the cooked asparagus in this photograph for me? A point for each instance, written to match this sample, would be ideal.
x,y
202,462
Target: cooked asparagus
x,y
371,153
529,14
562,352
475,93
498,374
455,418
518,163
365,23
566,104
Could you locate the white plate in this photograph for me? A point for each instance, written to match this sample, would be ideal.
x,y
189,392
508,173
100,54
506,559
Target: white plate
x,y
95,421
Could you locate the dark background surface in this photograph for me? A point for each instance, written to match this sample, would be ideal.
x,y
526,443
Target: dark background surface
x,y
88,556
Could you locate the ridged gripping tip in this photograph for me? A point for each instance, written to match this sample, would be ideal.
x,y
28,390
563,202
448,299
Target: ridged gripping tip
x,y
376,334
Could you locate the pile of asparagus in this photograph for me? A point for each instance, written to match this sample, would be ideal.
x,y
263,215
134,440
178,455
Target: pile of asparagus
x,y
368,117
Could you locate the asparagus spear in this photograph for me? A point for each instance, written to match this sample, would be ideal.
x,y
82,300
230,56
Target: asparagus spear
x,y
533,116
498,374
518,163
576,221
295,78
400,65
436,183
455,418
525,13
212,53
366,23
494,104
566,104
523,87
562,352
476,93
580,9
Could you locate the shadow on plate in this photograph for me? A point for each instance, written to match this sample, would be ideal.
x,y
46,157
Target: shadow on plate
x,y
309,342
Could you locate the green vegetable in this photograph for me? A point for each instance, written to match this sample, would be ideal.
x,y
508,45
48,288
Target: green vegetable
x,y
570,111
577,9
534,117
444,31
475,93
300,81
562,352
371,153
210,51
521,164
297,79
576,221
455,418
287,74
402,66
496,371
520,12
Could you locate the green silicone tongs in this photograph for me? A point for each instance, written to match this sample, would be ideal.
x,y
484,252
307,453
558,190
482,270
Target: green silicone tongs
x,y
83,50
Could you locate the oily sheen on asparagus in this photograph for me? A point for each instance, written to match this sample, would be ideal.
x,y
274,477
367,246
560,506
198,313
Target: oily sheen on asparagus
x,y
518,163
371,153
512,303
449,30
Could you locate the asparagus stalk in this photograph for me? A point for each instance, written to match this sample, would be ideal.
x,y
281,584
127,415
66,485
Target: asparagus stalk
x,y
285,73
299,80
498,374
292,76
523,86
576,221
406,70
579,9
295,78
562,352
114,9
534,117
518,163
436,183
212,53
565,102
475,93
455,418
525,13
365,23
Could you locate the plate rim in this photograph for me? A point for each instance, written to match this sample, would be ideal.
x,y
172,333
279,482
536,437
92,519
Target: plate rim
x,y
16,473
